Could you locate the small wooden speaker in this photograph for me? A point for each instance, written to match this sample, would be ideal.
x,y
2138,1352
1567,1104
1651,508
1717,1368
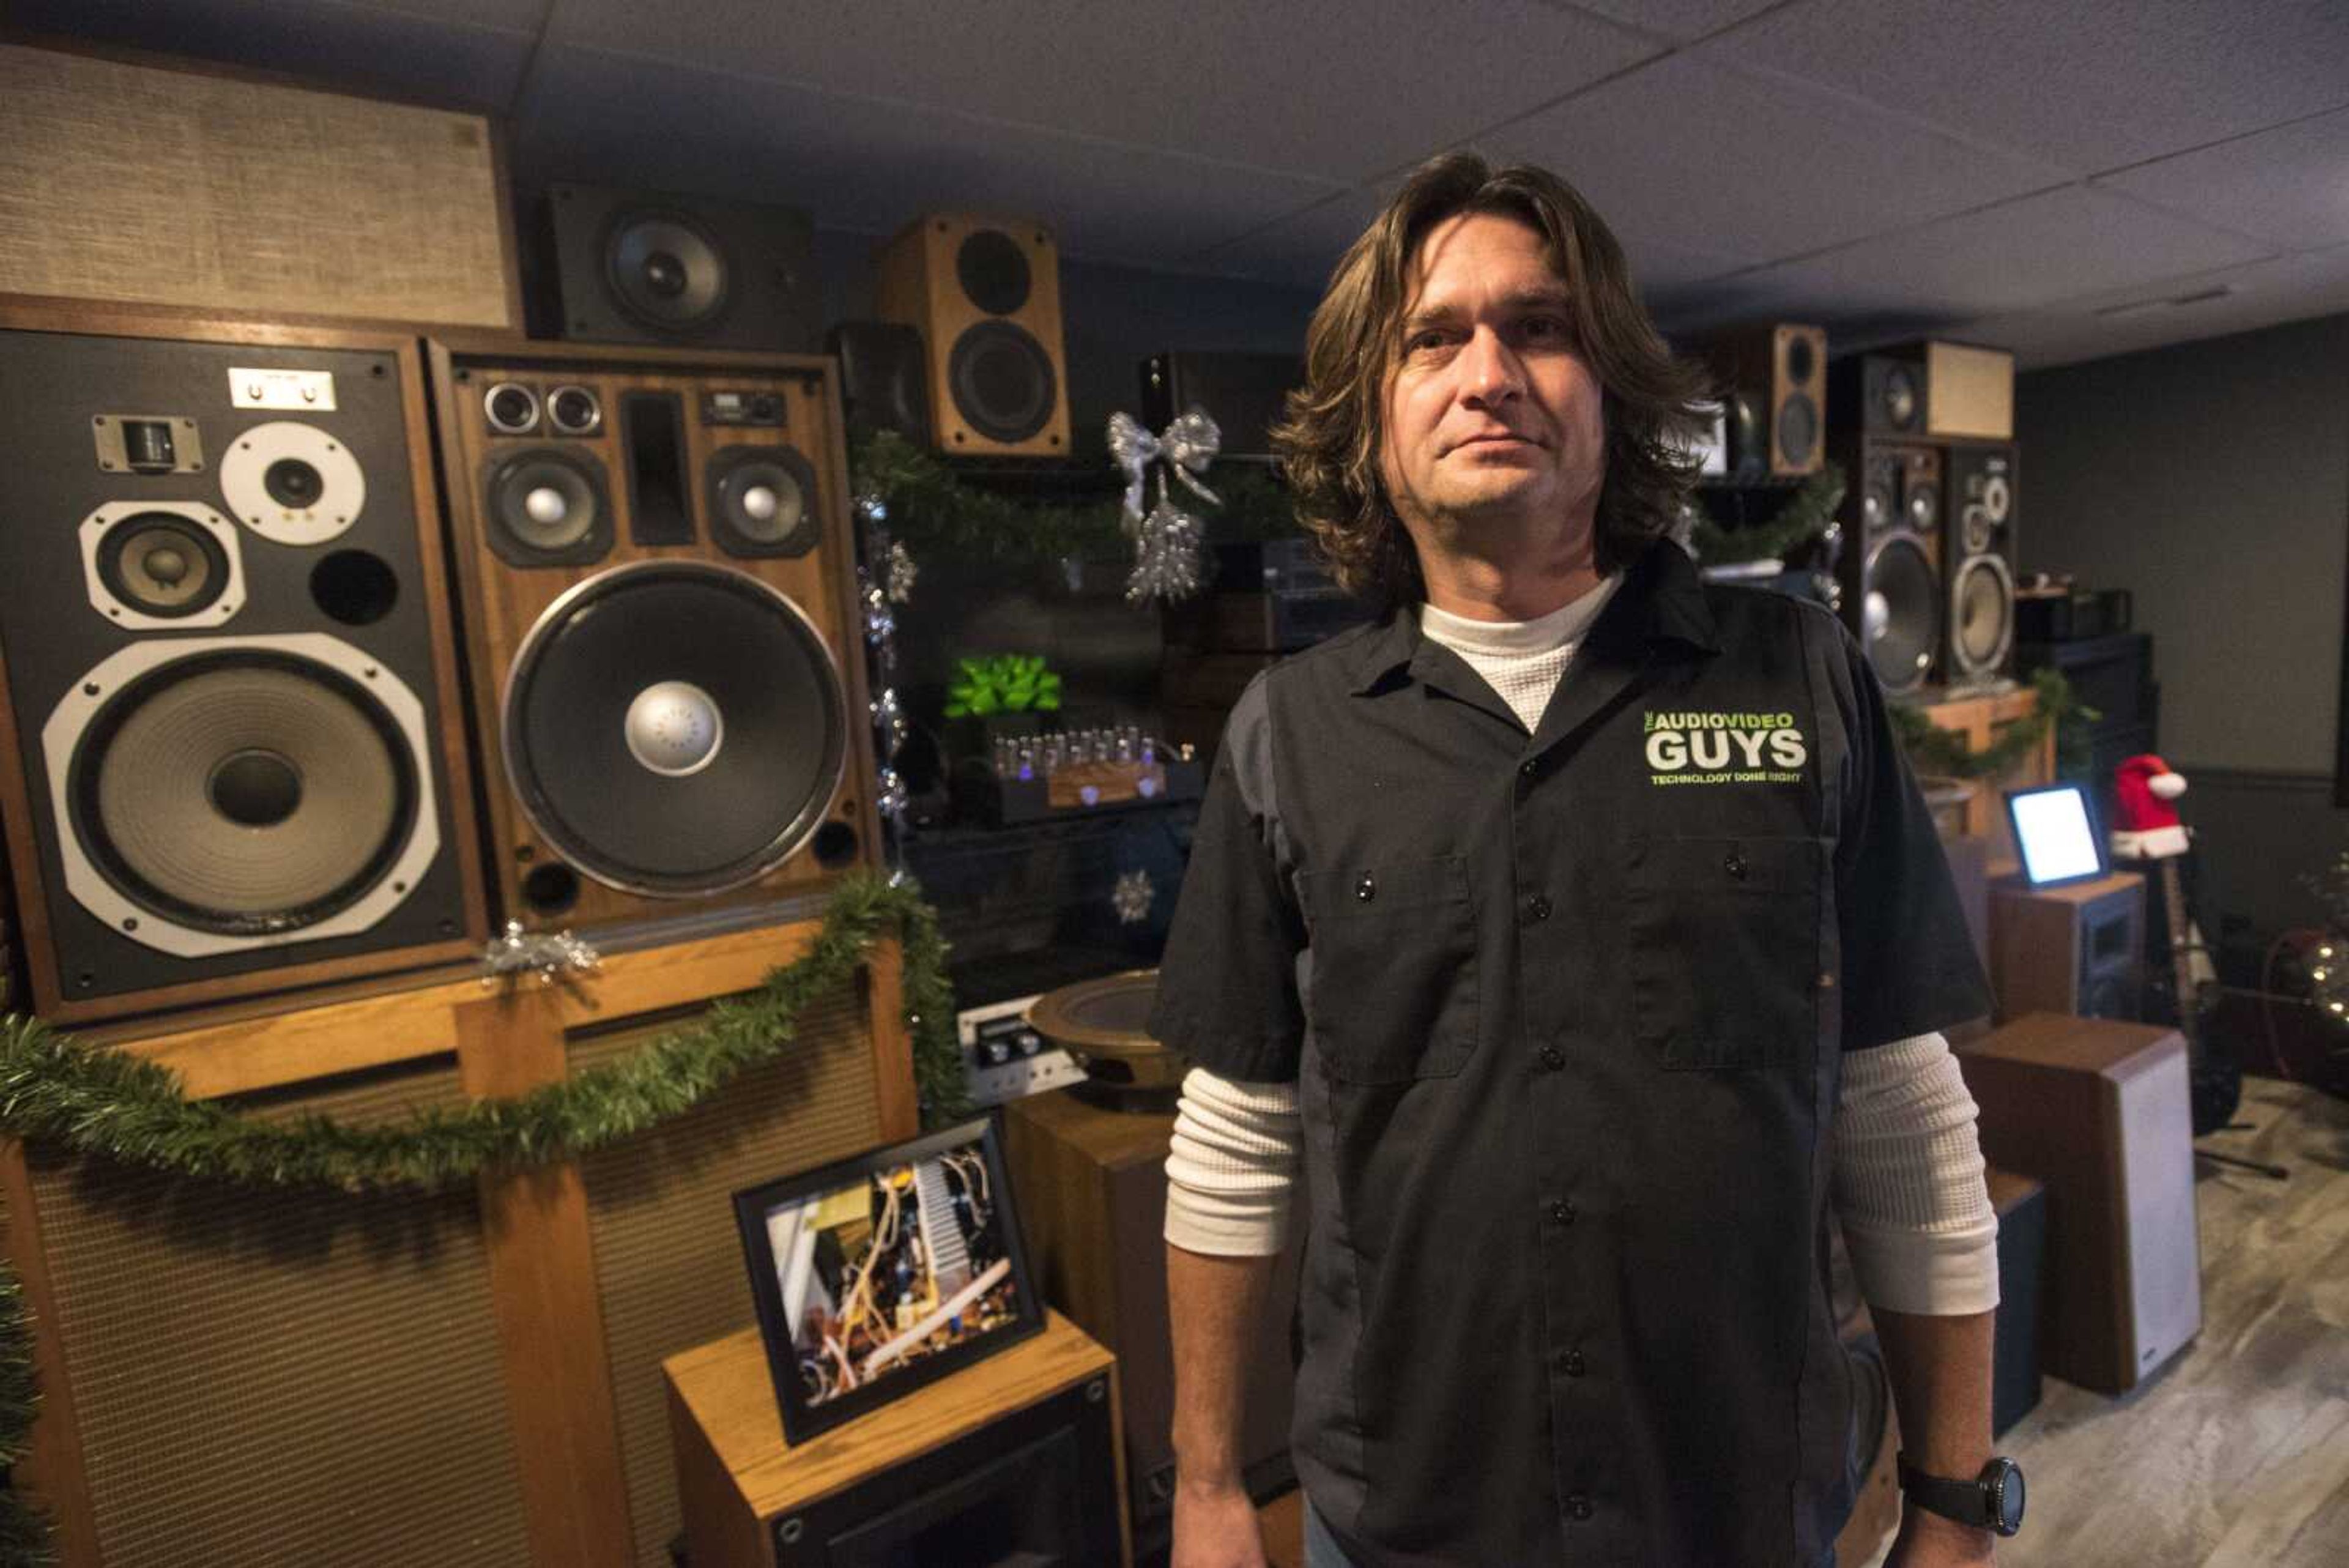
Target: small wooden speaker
x,y
203,190
2099,1111
662,624
1779,374
2075,947
986,295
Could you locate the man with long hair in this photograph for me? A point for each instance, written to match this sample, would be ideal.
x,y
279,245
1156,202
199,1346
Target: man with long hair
x,y
1578,932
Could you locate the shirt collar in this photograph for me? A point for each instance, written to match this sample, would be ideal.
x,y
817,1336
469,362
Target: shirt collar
x,y
1661,601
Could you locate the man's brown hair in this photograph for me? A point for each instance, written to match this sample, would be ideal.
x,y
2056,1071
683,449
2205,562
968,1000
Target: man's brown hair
x,y
1329,444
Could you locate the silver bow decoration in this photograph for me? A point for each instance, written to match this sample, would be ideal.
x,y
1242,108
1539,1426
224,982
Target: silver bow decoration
x,y
1166,538
550,958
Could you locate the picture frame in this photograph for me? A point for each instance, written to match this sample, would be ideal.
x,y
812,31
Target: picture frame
x,y
879,1275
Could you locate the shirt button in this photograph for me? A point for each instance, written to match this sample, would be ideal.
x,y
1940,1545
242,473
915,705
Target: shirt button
x,y
1575,1365
1563,1211
1577,1507
1528,768
1553,1058
1537,906
1734,866
1367,889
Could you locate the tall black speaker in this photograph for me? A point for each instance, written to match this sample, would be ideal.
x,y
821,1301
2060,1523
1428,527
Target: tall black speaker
x,y
232,758
1979,545
637,266
1891,569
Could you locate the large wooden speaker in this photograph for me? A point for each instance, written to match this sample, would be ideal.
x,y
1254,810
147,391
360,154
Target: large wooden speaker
x,y
662,626
2099,1111
1979,545
985,294
205,190
248,1375
1092,1182
231,749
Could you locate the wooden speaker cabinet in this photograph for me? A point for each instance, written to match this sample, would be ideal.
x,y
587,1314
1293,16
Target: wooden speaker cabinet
x,y
2075,947
2100,1112
985,293
1012,1460
664,638
1091,1183
197,189
263,1376
233,746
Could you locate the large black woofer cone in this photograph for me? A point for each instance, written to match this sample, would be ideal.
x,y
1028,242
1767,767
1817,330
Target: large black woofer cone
x,y
666,271
548,507
1902,610
243,793
762,500
1002,381
600,660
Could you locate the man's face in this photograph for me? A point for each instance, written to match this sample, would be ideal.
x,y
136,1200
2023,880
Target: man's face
x,y
1490,413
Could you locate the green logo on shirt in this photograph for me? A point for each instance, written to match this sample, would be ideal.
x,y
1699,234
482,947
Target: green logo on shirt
x,y
1717,748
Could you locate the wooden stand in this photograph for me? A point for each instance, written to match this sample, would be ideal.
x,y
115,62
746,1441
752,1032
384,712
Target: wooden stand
x,y
752,1502
1982,719
244,1373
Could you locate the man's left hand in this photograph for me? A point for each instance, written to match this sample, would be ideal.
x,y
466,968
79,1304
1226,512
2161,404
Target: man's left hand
x,y
1929,1540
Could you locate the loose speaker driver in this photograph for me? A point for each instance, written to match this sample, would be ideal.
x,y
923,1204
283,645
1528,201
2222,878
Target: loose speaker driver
x,y
1982,610
674,728
1103,1025
1001,380
666,271
1903,620
221,793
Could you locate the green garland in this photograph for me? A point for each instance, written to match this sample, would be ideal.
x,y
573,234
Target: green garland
x,y
1935,751
930,507
117,1106
1803,518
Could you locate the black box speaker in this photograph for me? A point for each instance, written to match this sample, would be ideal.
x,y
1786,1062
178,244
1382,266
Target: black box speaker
x,y
2022,1206
1245,394
640,267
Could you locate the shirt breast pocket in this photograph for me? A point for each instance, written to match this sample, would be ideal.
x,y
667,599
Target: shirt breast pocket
x,y
1393,983
1725,949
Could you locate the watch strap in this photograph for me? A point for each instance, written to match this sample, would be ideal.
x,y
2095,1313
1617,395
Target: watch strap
x,y
1967,1502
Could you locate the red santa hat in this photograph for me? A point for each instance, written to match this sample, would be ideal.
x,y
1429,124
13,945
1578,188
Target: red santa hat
x,y
2146,825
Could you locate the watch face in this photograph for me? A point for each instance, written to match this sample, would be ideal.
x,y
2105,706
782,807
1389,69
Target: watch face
x,y
2007,1488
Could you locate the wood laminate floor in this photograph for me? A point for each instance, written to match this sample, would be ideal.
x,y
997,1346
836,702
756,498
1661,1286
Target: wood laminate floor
x,y
2237,1454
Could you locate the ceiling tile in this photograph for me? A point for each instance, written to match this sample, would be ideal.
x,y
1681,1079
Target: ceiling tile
x,y
607,119
2289,185
1677,19
1340,89
2059,244
2261,294
1708,161
452,61
2091,86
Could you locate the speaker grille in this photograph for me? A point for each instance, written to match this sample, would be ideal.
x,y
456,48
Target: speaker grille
x,y
283,1377
668,1259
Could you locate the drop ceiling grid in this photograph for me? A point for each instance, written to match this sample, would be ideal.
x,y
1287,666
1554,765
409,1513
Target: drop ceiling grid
x,y
1335,90
2288,185
2095,86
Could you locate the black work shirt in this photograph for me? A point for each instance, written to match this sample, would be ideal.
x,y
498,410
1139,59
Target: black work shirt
x,y
1566,1015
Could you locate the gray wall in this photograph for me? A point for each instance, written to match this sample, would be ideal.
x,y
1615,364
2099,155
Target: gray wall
x,y
2212,481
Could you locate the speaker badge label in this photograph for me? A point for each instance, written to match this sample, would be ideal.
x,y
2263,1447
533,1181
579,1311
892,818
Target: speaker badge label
x,y
1723,748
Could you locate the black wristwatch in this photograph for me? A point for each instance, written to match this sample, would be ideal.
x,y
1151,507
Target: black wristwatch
x,y
1991,1501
